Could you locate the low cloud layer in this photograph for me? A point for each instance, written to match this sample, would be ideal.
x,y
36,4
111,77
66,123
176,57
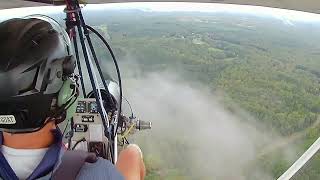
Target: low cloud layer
x,y
193,135
192,131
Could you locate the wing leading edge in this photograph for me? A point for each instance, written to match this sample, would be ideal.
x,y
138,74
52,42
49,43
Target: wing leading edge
x,y
312,6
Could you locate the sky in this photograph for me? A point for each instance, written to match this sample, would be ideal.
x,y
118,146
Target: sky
x,y
287,16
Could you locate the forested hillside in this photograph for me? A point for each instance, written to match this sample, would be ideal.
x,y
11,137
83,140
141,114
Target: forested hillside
x,y
266,66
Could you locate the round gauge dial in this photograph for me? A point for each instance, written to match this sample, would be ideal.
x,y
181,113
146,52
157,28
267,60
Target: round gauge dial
x,y
93,107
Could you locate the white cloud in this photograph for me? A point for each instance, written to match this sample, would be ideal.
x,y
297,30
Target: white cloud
x,y
17,12
282,14
287,16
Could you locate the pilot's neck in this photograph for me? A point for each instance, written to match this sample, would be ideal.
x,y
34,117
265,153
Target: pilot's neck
x,y
35,140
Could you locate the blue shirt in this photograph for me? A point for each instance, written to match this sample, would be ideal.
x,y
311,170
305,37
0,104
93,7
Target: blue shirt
x,y
101,170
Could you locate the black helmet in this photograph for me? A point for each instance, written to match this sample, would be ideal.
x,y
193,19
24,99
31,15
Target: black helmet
x,y
34,60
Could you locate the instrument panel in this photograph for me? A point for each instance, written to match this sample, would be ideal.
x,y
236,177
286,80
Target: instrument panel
x,y
88,123
87,107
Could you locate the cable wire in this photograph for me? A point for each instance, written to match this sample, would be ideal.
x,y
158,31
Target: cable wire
x,y
117,68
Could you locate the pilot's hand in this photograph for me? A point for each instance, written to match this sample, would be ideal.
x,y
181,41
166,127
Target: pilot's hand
x,y
130,163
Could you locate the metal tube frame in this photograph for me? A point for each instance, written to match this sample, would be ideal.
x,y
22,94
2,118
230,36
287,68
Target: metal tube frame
x,y
75,20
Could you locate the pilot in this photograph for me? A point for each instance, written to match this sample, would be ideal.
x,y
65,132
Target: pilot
x,y
38,90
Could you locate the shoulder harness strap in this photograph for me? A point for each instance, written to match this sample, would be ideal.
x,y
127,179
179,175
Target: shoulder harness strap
x,y
72,162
